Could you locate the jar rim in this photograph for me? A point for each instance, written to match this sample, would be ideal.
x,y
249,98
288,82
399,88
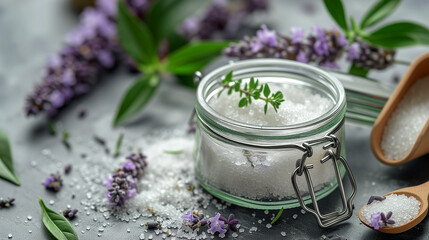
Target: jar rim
x,y
220,123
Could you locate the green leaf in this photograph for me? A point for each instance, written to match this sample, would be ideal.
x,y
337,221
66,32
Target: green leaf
x,y
359,71
194,57
243,102
378,12
399,34
277,216
136,97
57,225
336,9
266,108
7,170
228,78
165,16
174,152
135,37
267,90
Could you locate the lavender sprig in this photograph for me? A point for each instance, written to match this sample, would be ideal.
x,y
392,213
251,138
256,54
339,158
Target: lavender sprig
x,y
122,184
216,224
90,49
222,19
253,90
323,47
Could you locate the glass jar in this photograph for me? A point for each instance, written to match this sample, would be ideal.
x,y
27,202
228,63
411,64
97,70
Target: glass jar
x,y
255,166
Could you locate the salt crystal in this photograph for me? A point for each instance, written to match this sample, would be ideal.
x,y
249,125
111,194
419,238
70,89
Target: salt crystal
x,y
241,230
403,209
9,235
295,216
266,212
407,121
302,211
141,237
269,226
283,234
29,217
234,235
51,202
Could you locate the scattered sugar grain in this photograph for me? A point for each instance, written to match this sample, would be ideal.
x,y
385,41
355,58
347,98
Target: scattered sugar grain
x,y
403,208
407,121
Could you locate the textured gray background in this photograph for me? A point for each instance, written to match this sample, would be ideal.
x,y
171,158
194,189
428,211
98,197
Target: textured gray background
x,y
31,30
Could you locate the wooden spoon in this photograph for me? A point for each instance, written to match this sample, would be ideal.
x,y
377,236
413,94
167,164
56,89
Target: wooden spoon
x,y
418,69
421,193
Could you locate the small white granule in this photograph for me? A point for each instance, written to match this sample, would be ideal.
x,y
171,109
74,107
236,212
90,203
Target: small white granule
x,y
283,234
269,226
403,209
407,121
295,216
301,104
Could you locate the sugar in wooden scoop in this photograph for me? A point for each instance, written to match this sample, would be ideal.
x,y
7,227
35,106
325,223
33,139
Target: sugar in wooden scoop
x,y
407,121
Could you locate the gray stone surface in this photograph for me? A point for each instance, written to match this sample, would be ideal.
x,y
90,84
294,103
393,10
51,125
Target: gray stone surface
x,y
31,30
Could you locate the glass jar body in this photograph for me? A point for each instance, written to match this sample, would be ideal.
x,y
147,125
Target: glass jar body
x,y
253,167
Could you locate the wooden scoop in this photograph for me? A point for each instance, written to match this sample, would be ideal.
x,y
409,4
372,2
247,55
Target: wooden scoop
x,y
418,69
421,193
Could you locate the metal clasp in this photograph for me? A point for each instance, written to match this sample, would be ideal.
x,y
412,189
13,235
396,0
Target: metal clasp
x,y
333,145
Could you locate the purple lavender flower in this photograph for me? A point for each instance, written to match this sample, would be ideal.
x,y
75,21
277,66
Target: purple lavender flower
x,y
67,168
221,17
375,220
122,185
368,56
231,222
70,214
297,35
386,218
353,52
190,217
216,225
53,182
378,198
269,37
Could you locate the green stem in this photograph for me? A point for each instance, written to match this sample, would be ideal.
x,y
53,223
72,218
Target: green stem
x,y
402,62
359,71
248,93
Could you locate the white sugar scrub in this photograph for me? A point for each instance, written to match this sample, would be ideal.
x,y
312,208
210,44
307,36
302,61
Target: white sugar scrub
x,y
263,174
407,121
403,209
165,192
301,105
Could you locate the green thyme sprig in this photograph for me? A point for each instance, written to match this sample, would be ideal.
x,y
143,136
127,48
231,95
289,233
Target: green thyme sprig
x,y
252,90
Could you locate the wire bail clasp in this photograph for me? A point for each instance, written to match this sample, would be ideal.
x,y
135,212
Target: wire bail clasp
x,y
333,147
